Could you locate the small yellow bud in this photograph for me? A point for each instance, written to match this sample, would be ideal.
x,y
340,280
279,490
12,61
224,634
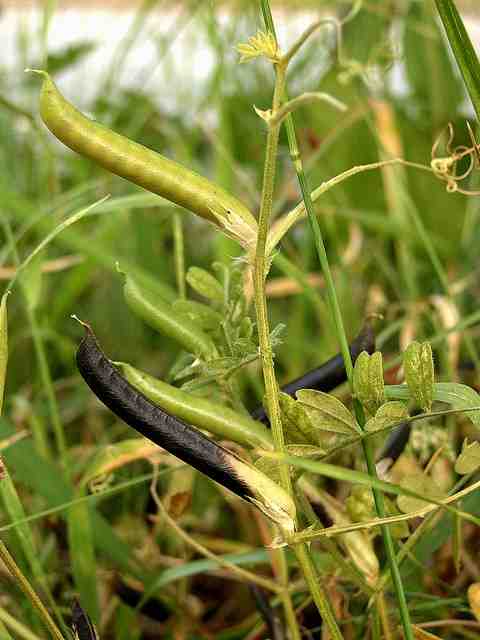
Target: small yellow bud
x,y
261,44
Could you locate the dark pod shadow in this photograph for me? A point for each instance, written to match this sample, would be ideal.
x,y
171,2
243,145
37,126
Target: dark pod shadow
x,y
81,624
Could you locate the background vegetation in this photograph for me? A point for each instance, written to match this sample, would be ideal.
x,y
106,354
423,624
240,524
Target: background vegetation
x,y
401,94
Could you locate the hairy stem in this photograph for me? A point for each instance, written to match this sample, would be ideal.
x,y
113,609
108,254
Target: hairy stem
x,y
340,329
271,387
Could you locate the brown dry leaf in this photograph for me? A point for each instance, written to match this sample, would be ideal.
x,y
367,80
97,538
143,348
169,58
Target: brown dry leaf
x,y
179,503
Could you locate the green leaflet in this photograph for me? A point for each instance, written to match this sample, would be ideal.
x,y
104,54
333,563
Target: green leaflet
x,y
296,423
368,384
421,484
469,459
205,284
326,412
459,396
388,414
419,373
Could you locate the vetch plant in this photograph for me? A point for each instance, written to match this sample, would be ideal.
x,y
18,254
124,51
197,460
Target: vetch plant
x,y
280,471
186,443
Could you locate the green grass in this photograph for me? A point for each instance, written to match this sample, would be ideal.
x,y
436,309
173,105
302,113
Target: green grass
x,y
398,244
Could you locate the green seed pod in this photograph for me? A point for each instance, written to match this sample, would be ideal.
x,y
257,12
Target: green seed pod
x,y
205,284
160,315
419,373
144,167
368,383
202,315
205,414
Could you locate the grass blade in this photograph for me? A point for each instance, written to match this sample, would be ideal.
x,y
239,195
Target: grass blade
x,y
82,556
462,49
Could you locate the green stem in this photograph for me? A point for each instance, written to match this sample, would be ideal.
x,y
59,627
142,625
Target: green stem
x,y
29,592
271,388
342,337
21,631
318,593
260,269
290,615
179,254
389,545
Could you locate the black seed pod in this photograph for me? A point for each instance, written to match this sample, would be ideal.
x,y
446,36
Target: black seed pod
x,y
131,406
394,446
81,623
328,375
176,437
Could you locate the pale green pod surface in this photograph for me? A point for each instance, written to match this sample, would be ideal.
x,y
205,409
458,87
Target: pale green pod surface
x,y
160,316
368,382
199,412
144,167
204,316
419,373
3,346
205,284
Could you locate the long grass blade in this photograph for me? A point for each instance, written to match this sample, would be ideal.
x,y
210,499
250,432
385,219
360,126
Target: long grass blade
x,y
462,48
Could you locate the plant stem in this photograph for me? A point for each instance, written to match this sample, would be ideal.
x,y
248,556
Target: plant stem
x,y
271,388
179,254
29,592
318,593
335,308
260,269
389,545
22,632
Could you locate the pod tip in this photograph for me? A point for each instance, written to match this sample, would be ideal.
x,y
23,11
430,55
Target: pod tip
x,y
85,325
40,72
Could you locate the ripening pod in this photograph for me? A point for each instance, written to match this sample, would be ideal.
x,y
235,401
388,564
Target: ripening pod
x,y
368,383
144,167
419,373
